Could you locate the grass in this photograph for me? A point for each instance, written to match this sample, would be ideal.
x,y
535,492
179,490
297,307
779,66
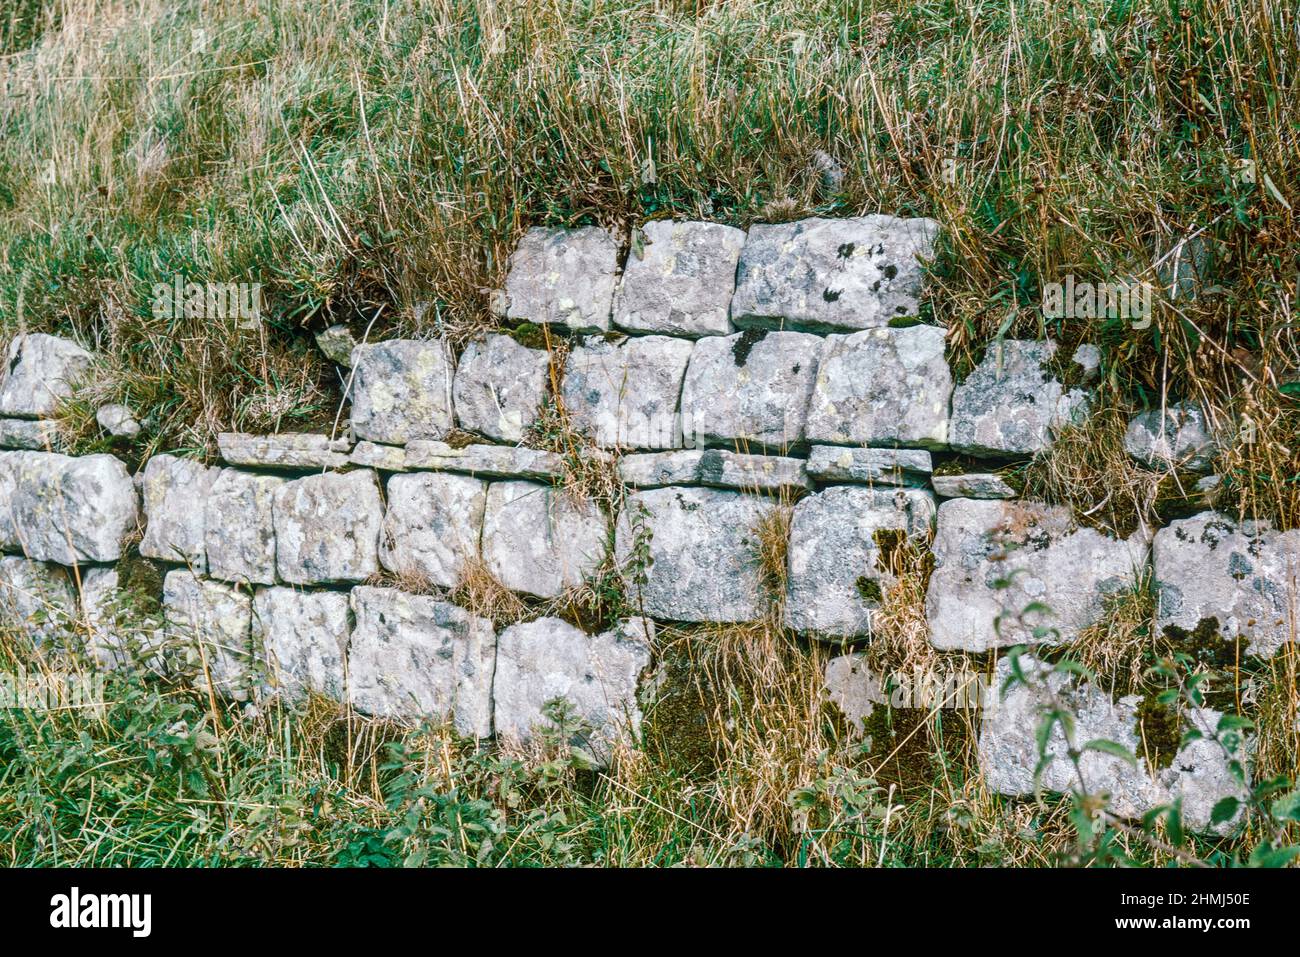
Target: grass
x,y
373,162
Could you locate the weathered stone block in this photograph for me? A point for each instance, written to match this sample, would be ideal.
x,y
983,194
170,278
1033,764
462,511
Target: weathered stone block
x,y
1237,581
432,525
832,274
213,623
36,598
972,485
499,387
175,494
1012,403
327,528
1176,437
838,556
701,559
1045,559
412,657
285,450
563,276
303,636
33,434
882,387
625,394
657,469
401,390
540,661
750,388
39,372
385,458
539,540
753,473
683,283
1008,750
490,461
238,527
831,463
63,509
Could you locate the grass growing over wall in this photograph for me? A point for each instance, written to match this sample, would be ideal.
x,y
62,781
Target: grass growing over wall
x,y
374,161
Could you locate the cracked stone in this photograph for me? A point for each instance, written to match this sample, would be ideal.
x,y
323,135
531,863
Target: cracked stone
x,y
539,540
401,391
683,283
39,372
833,463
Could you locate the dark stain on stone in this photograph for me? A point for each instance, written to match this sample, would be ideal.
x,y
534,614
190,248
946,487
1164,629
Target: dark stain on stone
x,y
831,295
890,270
846,250
741,348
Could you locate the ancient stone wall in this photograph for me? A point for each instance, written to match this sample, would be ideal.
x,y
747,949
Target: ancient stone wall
x,y
721,375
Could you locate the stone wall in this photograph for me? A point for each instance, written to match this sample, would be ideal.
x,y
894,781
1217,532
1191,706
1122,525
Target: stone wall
x,y
722,375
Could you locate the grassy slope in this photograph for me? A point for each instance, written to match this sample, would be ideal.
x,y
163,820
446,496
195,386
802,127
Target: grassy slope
x,y
361,157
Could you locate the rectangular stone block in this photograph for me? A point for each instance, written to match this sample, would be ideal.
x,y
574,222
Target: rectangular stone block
x,y
539,540
682,283
831,463
489,461
39,372
213,623
657,469
882,387
175,492
36,599
238,527
753,473
432,525
563,276
838,556
303,636
34,434
697,550
749,390
286,450
401,391
413,658
625,394
65,509
499,387
825,275
327,528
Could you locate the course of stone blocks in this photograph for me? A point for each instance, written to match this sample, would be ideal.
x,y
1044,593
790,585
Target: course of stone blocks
x,y
726,376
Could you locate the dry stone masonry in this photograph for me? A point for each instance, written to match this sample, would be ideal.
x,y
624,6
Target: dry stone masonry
x,y
723,376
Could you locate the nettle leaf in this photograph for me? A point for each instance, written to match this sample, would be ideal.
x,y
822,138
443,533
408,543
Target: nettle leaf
x,y
1225,810
1234,722
1113,748
1287,807
1268,856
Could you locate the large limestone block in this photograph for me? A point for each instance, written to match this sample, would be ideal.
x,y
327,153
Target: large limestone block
x,y
327,528
175,492
1044,558
1012,403
40,371
882,387
212,622
63,509
1240,580
1176,437
36,598
563,276
304,638
972,485
401,390
239,528
1008,740
657,469
683,282
839,555
490,461
830,463
1199,775
540,540
432,525
499,387
412,657
698,550
34,434
832,274
285,450
625,394
750,388
540,661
